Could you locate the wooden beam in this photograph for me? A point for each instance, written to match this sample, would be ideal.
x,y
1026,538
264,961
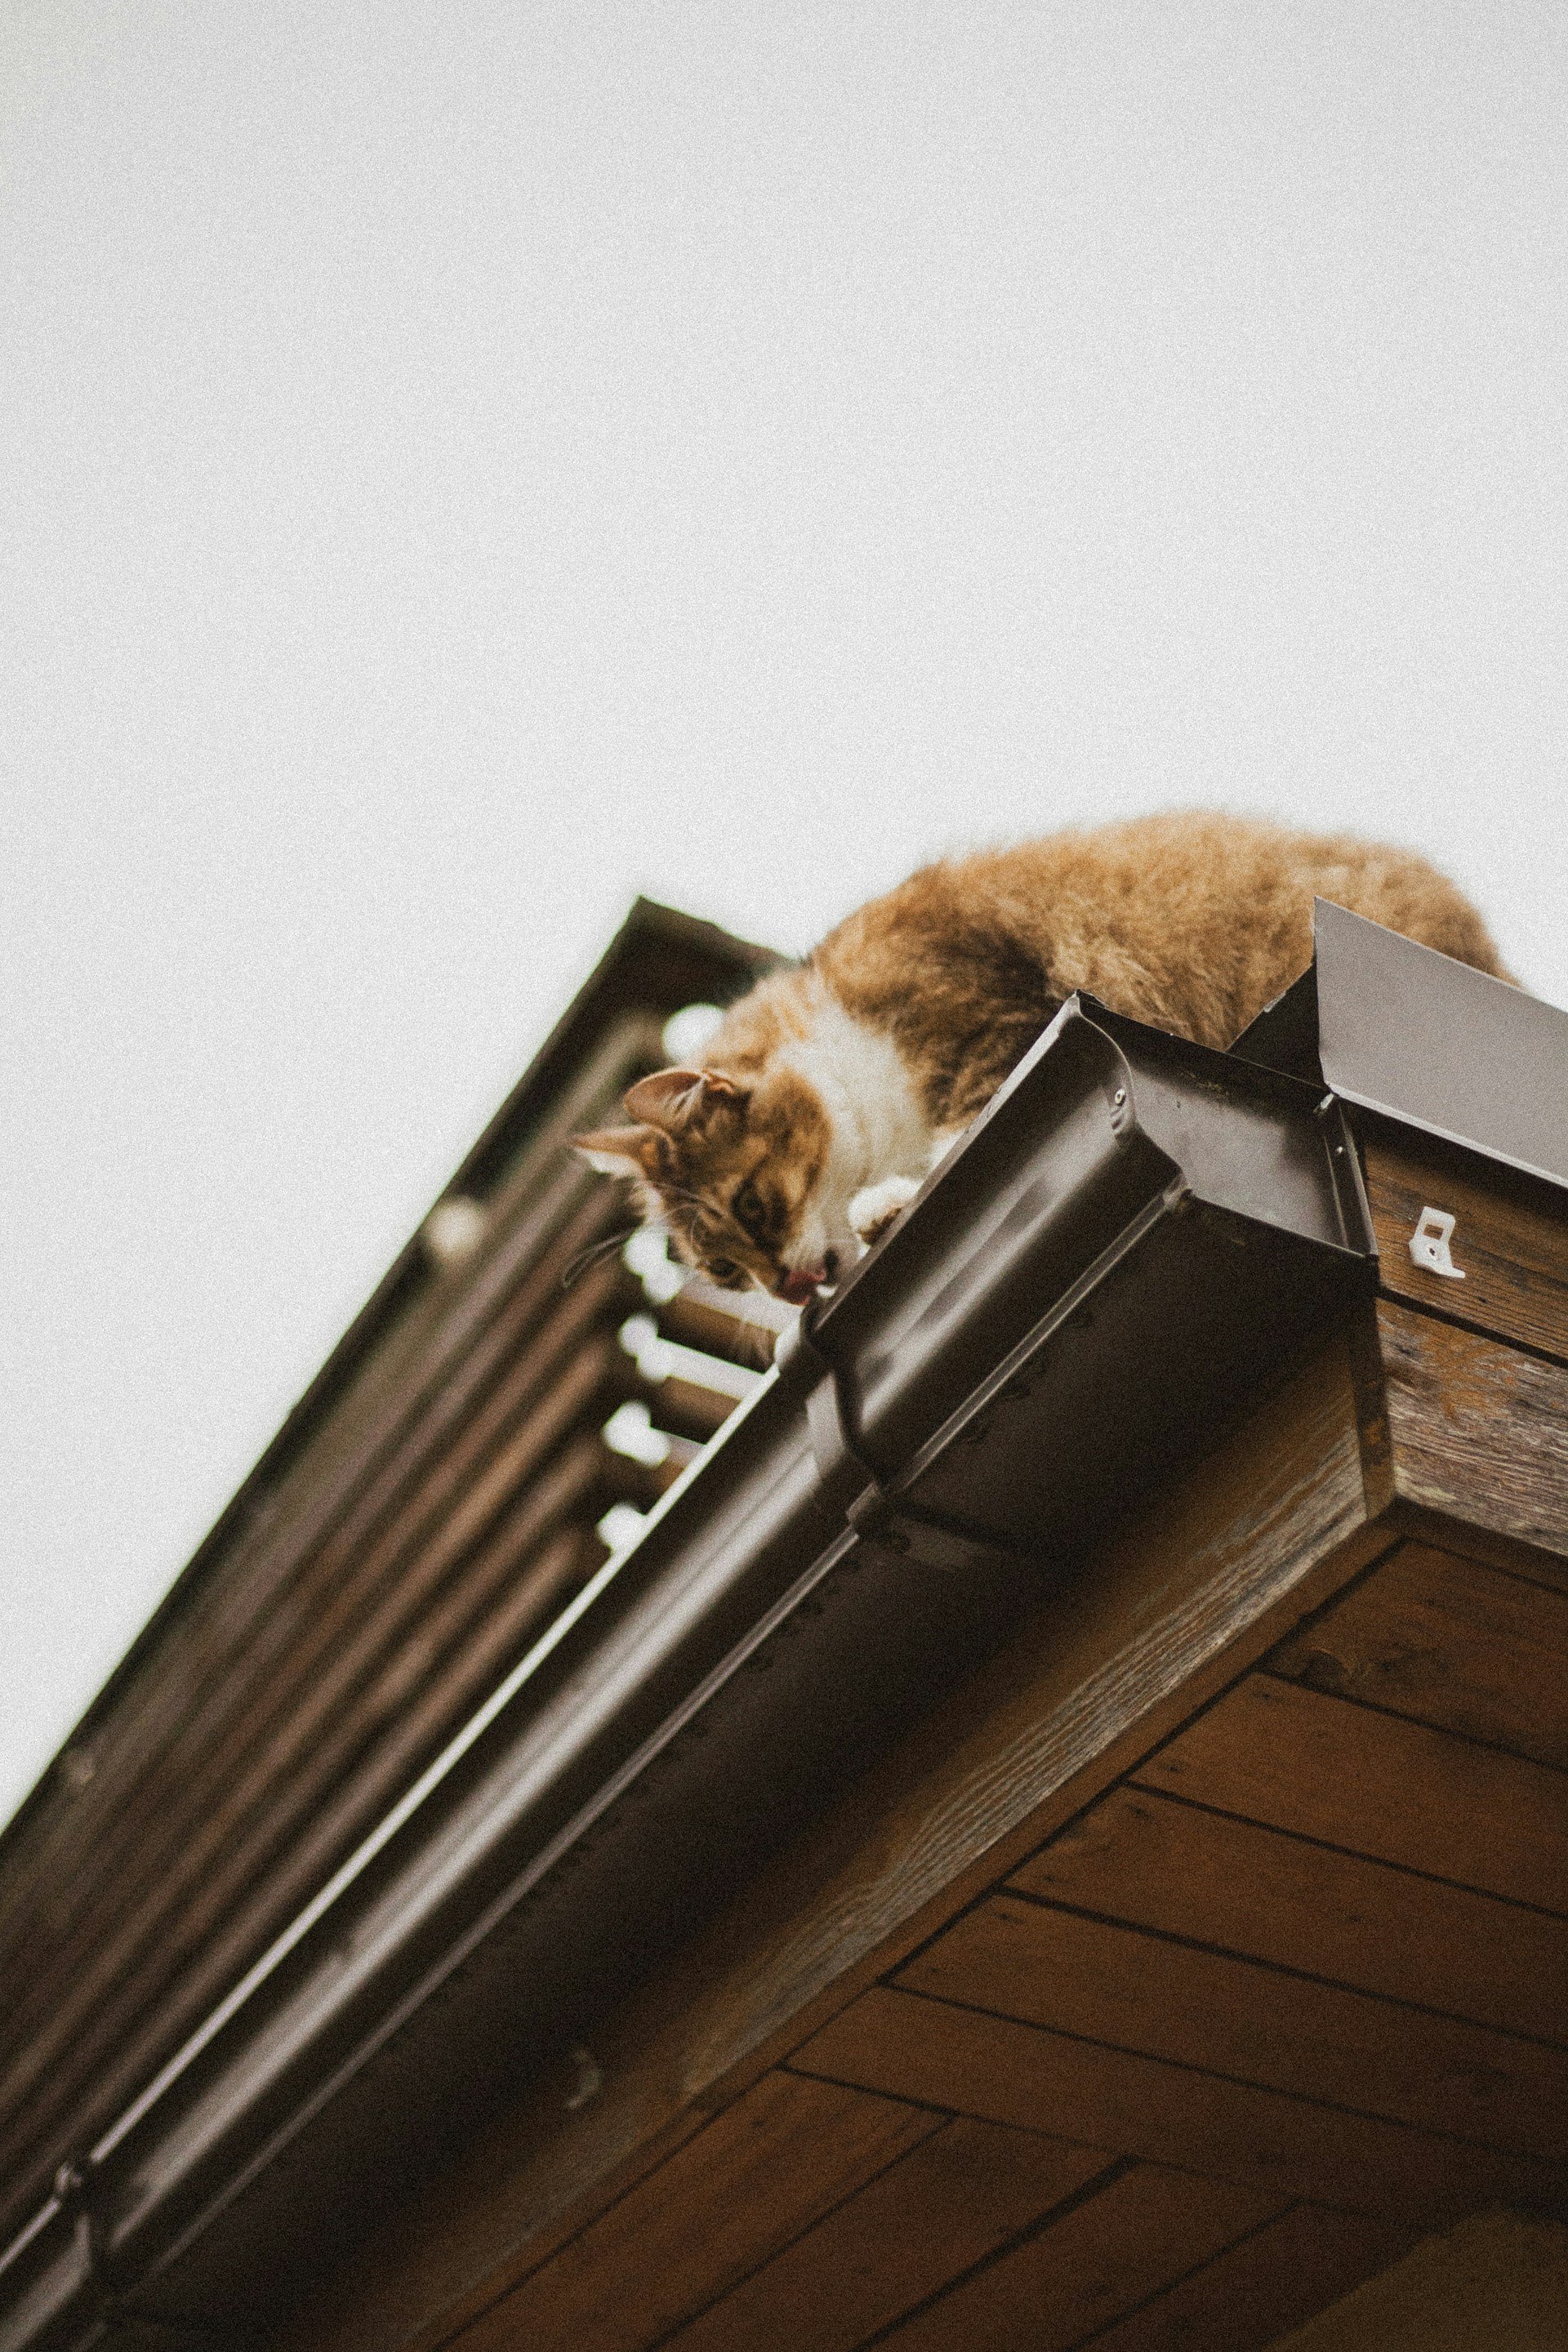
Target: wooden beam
x,y
1478,1431
1510,1240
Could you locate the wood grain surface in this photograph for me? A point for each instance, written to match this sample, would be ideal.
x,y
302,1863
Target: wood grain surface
x,y
1375,1784
1131,2238
1448,1641
1258,2024
972,2061
1478,1431
1221,1922
1250,2295
1156,1862
1285,1995
1209,1576
1509,1238
949,2206
757,2177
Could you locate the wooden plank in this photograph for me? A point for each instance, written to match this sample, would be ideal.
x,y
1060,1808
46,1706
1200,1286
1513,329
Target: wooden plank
x,y
1402,1793
1447,1641
1199,2008
1277,2278
950,2204
238,1644
237,1879
760,2173
1509,1238
219,1628
1160,1864
909,2046
1134,2236
690,1411
111,2056
1482,1544
1497,2282
208,1848
742,1325
1478,1432
1207,1577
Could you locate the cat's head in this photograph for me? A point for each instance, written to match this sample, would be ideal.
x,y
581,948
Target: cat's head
x,y
734,1171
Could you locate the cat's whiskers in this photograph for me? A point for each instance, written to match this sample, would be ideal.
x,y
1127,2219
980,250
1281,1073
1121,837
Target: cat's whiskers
x,y
577,1266
760,1336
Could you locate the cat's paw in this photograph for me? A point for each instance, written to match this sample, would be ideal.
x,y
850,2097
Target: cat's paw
x,y
873,1209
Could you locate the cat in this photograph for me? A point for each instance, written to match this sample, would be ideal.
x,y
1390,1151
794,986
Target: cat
x,y
829,1091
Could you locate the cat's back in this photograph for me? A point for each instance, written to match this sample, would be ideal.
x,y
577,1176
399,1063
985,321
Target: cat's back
x,y
1192,920
1198,919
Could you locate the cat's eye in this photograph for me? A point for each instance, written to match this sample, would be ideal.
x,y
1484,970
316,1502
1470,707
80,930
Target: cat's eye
x,y
726,1272
749,1211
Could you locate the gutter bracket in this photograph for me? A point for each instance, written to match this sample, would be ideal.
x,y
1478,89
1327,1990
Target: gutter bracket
x,y
78,2194
875,1514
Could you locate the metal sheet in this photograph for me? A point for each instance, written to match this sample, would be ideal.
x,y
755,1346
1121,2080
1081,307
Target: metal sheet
x,y
1401,1030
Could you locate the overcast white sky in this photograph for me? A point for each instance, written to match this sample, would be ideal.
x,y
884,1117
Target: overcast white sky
x,y
463,466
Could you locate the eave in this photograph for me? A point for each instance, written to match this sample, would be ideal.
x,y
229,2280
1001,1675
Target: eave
x,y
1136,1248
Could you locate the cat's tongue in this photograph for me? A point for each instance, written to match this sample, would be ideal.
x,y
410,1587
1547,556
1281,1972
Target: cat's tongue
x,y
800,1284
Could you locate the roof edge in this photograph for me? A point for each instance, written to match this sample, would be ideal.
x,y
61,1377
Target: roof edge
x,y
653,939
486,1912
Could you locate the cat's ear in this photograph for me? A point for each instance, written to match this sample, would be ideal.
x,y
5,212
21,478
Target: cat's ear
x,y
639,1151
685,1102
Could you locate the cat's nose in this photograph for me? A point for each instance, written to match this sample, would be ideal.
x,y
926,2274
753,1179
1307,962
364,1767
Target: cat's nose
x,y
801,1282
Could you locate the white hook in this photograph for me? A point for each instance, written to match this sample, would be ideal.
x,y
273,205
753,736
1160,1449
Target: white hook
x,y
1429,1244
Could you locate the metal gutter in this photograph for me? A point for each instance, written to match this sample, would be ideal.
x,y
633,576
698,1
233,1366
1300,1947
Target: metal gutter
x,y
1131,1244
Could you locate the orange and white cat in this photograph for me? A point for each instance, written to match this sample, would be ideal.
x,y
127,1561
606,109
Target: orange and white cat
x,y
828,1092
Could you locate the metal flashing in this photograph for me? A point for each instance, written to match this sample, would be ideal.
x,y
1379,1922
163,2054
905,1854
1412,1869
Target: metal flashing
x,y
1400,1029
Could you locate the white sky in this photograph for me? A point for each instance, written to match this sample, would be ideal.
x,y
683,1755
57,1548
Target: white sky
x,y
463,466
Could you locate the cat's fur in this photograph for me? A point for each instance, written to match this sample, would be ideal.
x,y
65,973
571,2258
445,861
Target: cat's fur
x,y
829,1091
